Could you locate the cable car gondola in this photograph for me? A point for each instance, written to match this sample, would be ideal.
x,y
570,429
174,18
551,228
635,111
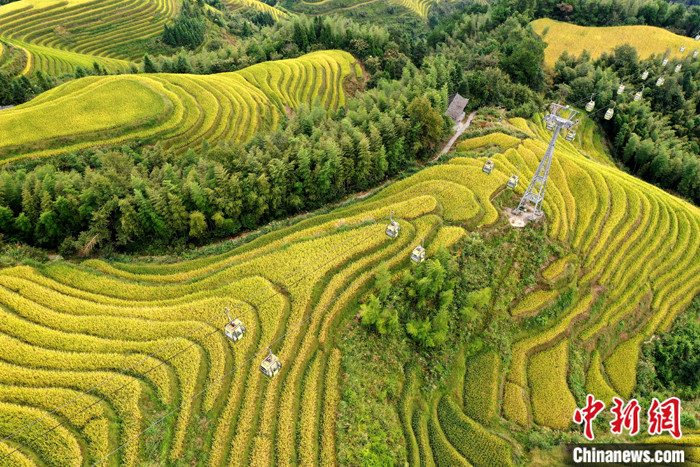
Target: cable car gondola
x,y
514,179
570,135
270,365
682,48
638,94
677,69
610,112
591,104
488,166
695,53
645,74
661,80
621,88
234,330
393,229
697,37
664,62
418,254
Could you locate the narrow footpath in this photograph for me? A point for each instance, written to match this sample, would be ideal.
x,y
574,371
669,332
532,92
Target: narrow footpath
x,y
460,127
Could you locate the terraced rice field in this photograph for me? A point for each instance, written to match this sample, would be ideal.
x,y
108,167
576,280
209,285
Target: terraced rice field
x,y
416,7
177,110
648,40
57,36
67,327
634,252
56,62
263,7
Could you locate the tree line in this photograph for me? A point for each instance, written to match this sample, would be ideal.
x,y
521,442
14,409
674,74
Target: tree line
x,y
656,138
126,198
676,16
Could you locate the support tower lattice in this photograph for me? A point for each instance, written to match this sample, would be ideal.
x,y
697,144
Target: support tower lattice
x,y
559,118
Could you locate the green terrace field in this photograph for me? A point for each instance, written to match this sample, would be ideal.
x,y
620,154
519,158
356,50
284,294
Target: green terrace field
x,y
259,5
23,58
632,259
176,110
114,29
648,40
57,36
415,7
633,263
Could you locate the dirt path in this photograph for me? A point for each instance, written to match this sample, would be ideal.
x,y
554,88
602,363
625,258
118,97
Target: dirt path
x,y
460,129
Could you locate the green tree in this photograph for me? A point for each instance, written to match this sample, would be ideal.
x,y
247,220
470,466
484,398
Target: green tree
x,y
426,126
198,224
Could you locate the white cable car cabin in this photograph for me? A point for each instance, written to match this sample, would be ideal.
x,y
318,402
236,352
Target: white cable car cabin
x,y
549,125
591,104
488,166
609,113
234,330
678,68
570,135
695,53
682,48
270,365
418,254
645,74
661,80
621,88
393,229
637,95
697,37
514,179
664,61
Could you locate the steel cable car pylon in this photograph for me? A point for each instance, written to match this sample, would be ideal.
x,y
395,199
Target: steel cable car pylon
x,y
536,189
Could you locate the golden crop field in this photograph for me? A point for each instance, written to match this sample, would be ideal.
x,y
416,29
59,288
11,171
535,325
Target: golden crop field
x,y
67,327
415,7
648,40
178,110
57,36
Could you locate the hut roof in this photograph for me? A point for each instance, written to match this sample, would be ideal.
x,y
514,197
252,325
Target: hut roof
x,y
456,105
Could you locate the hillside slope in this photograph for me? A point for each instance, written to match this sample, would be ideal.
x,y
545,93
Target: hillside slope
x,y
648,40
57,36
635,252
632,263
176,110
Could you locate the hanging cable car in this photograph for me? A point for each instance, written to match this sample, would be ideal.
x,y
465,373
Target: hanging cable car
x,y
591,104
488,166
393,229
697,37
621,88
609,113
682,48
695,53
664,62
514,179
645,74
548,123
638,94
661,80
270,365
234,330
570,135
418,254
677,69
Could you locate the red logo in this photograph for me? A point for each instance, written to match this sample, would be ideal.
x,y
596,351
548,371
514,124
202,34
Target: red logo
x,y
626,416
665,416
587,414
